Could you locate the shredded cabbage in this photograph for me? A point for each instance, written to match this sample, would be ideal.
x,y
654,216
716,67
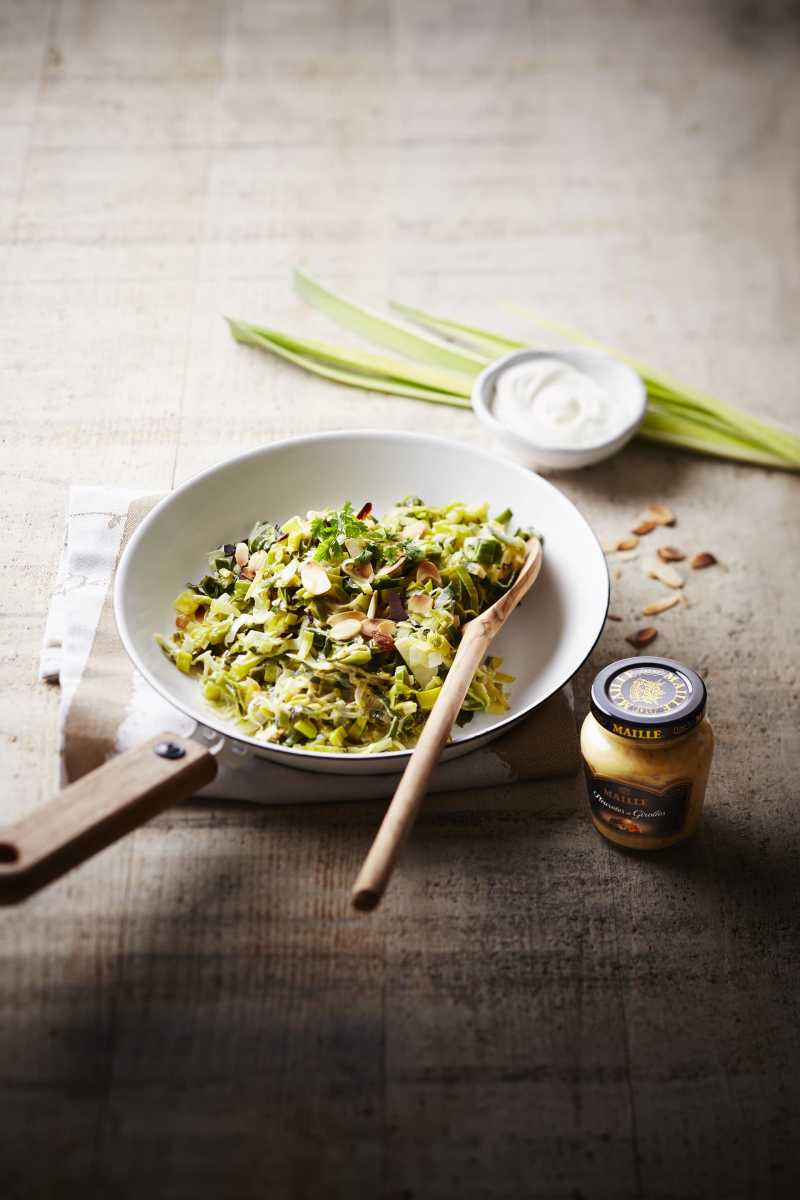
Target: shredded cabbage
x,y
334,631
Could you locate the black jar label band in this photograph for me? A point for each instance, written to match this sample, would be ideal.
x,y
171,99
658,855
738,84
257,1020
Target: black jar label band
x,y
629,808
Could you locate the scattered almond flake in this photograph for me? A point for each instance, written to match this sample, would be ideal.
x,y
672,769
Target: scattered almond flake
x,y
415,530
420,603
645,526
659,606
393,569
670,554
242,553
358,570
704,559
314,578
614,617
628,556
428,570
663,572
372,628
346,614
628,543
642,637
343,631
610,547
659,513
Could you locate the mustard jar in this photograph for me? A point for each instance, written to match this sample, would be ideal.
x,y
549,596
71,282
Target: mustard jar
x,y
647,747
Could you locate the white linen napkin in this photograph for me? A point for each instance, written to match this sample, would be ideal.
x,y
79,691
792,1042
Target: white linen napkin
x,y
79,630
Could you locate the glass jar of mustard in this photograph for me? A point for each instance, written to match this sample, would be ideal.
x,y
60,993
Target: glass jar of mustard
x,y
647,747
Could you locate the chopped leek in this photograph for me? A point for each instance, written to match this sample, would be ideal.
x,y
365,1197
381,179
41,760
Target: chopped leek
x,y
319,640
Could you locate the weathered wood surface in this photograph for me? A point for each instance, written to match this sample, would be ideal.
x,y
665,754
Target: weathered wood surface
x,y
197,1012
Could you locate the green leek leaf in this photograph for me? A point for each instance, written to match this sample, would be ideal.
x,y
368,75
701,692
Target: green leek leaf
x,y
438,378
382,330
247,334
491,343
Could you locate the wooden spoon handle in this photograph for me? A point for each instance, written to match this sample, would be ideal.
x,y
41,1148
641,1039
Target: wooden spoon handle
x,y
401,813
97,810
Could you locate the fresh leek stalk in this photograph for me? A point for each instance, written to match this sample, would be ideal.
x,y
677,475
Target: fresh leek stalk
x,y
442,356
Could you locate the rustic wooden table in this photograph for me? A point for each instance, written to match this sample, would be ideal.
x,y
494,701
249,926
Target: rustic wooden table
x,y
197,1012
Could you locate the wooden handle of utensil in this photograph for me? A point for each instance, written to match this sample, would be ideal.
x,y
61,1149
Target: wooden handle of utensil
x,y
401,813
476,638
97,810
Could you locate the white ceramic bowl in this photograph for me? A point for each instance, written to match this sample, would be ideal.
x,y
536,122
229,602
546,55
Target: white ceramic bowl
x,y
543,644
621,382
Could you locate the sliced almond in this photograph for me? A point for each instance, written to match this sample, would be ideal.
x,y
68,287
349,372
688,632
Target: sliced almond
x,y
415,530
646,525
242,553
393,569
420,603
642,637
659,606
346,614
627,556
354,546
614,617
247,572
659,513
428,570
314,578
343,631
663,572
625,543
370,627
670,554
702,560
359,570
381,633
257,560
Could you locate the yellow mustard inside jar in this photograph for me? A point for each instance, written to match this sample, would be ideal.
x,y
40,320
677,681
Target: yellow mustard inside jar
x,y
647,747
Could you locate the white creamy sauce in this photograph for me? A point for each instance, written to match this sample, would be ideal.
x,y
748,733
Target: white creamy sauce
x,y
555,405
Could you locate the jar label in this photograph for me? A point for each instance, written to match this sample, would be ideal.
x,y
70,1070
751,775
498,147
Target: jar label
x,y
631,808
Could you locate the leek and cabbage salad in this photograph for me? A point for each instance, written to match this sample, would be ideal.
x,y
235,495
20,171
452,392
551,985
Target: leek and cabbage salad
x,y
333,632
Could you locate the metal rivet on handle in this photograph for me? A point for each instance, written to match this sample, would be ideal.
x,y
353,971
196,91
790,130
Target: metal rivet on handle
x,y
169,750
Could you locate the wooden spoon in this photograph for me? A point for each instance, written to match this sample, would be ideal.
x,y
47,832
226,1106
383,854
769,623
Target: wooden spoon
x,y
401,813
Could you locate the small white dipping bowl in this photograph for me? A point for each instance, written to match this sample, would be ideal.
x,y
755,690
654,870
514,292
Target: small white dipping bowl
x,y
620,382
